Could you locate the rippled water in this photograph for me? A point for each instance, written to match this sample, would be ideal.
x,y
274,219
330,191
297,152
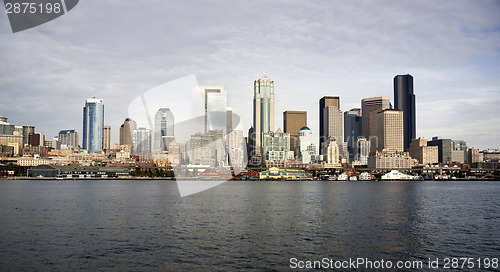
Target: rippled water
x,y
145,225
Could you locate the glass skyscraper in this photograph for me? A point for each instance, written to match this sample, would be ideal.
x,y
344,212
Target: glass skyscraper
x,y
164,129
404,100
214,103
93,124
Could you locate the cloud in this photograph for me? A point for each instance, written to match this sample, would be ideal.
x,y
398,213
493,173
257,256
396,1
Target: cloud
x,y
116,51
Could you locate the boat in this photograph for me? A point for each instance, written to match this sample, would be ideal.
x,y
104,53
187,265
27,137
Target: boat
x,y
353,178
365,176
398,175
342,176
333,177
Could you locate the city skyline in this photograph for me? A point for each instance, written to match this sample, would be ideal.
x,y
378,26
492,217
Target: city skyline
x,y
314,48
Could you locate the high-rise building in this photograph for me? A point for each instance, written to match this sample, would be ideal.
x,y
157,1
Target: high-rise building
x,y
362,151
69,138
332,153
390,128
324,102
333,127
229,120
236,149
308,145
352,129
293,121
276,146
142,142
93,124
473,155
164,129
404,100
423,153
370,107
6,128
213,99
106,137
263,110
36,139
26,132
126,130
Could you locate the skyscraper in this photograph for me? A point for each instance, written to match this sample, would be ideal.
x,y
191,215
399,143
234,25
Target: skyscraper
x,y
106,137
390,128
69,138
126,130
142,142
404,100
324,102
213,99
164,129
263,110
26,132
93,123
352,129
293,121
333,127
369,109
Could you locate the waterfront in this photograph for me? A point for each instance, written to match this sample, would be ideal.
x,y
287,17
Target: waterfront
x,y
145,225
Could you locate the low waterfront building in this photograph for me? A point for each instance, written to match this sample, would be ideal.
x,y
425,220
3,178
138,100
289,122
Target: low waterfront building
x,y
449,150
391,160
53,171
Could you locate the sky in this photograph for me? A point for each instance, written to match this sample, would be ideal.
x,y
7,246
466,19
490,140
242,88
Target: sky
x,y
117,50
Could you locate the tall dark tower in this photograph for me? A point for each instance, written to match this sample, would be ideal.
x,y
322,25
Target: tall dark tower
x,y
324,102
404,100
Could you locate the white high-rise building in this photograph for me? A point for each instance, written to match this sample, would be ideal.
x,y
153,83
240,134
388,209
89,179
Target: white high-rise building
x,y
332,154
164,130
308,145
236,149
141,138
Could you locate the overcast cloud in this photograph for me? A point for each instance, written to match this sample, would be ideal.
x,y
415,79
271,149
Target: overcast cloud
x,y
116,50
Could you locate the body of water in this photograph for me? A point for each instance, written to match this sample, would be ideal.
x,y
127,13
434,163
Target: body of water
x,y
256,226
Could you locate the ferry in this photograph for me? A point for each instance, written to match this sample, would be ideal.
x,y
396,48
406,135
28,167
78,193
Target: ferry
x,y
365,176
397,175
343,176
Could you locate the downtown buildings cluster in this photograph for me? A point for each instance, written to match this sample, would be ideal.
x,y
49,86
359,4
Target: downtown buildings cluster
x,y
378,135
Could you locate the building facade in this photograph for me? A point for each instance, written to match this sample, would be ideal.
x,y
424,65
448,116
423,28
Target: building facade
x,y
326,101
68,138
126,130
390,130
352,129
214,101
308,145
93,124
391,160
293,121
106,137
370,107
449,150
404,99
142,142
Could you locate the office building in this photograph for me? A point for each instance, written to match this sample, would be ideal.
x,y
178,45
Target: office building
x,y
332,153
213,100
36,139
333,127
6,128
53,143
308,145
229,120
362,152
370,107
106,137
390,130
126,130
276,146
142,142
263,110
473,155
293,121
207,149
391,160
164,130
93,124
449,150
236,149
326,101
26,132
404,100
68,138
423,153
352,129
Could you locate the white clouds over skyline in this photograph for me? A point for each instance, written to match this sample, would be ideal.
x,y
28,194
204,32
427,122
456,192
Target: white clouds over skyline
x,y
117,50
